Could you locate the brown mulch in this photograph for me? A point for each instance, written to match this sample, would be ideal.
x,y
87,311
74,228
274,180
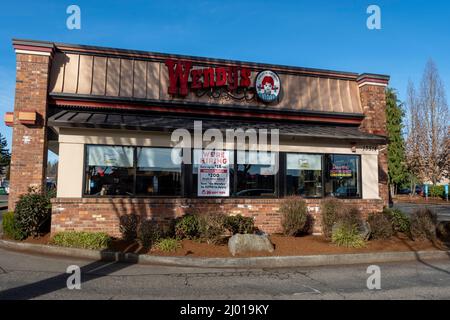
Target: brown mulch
x,y
284,246
289,246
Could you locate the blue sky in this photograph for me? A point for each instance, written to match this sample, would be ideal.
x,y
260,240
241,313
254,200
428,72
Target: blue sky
x,y
317,34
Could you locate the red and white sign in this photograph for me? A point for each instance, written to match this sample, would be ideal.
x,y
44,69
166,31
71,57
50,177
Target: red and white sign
x,y
214,174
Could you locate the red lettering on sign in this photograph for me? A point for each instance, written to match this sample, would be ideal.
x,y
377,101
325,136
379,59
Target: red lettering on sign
x,y
245,77
208,77
196,75
179,71
221,77
178,74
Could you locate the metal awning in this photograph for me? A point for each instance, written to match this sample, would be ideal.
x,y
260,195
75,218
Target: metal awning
x,y
166,123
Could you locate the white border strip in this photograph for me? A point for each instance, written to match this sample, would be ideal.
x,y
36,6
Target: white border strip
x,y
37,53
372,84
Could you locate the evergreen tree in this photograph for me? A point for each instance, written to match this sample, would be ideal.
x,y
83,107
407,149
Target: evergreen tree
x,y
396,148
5,156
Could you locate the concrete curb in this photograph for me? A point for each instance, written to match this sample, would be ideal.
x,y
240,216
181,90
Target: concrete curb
x,y
256,262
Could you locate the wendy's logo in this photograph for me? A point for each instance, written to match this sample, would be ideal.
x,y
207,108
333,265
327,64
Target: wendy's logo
x,y
267,86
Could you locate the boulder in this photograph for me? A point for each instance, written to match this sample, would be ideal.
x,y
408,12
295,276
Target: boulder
x,y
240,243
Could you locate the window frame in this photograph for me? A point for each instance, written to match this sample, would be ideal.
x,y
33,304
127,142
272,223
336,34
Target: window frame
x,y
186,179
134,195
359,173
322,174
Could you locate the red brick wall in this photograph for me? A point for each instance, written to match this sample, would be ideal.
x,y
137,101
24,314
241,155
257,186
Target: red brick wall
x,y
102,214
29,160
373,101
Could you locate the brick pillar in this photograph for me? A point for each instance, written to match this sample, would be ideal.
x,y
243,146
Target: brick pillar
x,y
373,101
29,140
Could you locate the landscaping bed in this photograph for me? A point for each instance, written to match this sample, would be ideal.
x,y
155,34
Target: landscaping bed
x,y
284,246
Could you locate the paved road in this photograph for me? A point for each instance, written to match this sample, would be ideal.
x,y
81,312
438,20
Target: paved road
x,y
442,210
26,276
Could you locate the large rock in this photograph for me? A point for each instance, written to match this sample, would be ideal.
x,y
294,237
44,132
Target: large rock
x,y
240,243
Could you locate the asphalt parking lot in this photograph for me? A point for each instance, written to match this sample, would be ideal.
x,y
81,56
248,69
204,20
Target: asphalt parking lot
x,y
442,210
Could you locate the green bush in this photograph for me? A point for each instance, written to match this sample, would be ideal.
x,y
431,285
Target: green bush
x,y
187,227
33,213
294,216
423,224
148,233
10,228
129,224
347,235
239,224
168,245
329,214
211,227
437,191
380,226
443,231
400,222
81,239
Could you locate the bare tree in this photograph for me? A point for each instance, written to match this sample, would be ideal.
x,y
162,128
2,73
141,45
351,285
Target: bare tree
x,y
414,146
433,118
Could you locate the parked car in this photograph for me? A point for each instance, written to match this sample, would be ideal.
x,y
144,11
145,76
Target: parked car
x,y
419,190
4,187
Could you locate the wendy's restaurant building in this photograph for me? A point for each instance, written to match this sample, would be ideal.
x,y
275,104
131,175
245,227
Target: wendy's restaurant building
x,y
138,132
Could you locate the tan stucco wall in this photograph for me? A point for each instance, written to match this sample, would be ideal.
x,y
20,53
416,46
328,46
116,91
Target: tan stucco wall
x,y
369,171
70,170
72,141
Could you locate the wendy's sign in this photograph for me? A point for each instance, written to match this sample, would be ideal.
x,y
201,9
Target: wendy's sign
x,y
233,81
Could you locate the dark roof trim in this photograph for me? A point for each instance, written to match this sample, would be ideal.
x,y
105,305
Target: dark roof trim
x,y
124,121
138,101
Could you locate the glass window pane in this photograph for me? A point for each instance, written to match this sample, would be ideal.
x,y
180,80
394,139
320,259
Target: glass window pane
x,y
256,173
156,173
304,174
109,170
114,156
342,176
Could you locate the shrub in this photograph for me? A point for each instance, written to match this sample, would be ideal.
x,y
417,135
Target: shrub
x,y
187,227
168,245
211,227
239,224
10,228
347,235
148,233
294,213
84,240
400,222
380,226
350,215
32,213
129,224
437,191
329,214
423,224
443,231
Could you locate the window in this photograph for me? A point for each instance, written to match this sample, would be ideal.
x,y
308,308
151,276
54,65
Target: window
x,y
256,174
156,173
343,176
304,175
109,170
119,170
